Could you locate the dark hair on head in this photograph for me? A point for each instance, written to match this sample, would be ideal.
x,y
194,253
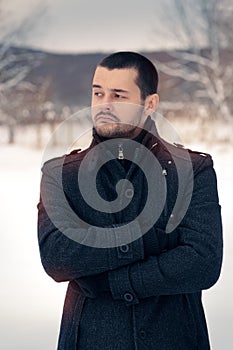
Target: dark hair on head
x,y
147,79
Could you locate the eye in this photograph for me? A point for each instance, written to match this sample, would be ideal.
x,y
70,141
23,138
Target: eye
x,y
98,94
119,96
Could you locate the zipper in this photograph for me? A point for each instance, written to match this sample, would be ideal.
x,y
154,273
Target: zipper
x,y
120,151
154,145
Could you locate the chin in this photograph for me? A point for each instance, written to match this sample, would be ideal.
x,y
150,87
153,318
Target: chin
x,y
106,130
112,131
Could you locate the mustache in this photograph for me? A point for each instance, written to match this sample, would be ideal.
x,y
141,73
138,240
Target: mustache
x,y
113,116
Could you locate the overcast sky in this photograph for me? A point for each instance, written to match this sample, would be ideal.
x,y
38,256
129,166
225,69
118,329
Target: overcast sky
x,y
82,25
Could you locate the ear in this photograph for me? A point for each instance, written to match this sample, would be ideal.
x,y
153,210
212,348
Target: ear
x,y
151,103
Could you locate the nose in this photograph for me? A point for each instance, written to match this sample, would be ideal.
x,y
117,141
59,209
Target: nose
x,y
107,103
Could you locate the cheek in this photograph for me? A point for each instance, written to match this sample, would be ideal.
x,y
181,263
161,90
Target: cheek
x,y
96,100
130,111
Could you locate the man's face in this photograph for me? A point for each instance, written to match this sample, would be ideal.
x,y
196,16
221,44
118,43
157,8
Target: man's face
x,y
117,108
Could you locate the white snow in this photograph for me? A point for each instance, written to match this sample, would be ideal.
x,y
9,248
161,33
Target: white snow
x,y
31,302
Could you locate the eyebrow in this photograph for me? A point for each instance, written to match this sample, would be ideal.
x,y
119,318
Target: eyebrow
x,y
114,90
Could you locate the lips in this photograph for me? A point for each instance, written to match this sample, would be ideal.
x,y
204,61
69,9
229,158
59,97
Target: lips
x,y
105,118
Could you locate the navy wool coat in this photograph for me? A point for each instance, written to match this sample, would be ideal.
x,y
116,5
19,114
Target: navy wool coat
x,y
144,294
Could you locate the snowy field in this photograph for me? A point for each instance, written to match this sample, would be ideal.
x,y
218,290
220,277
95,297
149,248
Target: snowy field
x,y
31,302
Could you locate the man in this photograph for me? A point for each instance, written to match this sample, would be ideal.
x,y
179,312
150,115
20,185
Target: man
x,y
135,275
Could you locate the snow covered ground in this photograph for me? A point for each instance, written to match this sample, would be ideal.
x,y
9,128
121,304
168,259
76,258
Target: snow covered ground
x,y
31,302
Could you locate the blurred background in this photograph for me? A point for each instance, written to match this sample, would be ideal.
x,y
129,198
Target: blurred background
x,y
48,53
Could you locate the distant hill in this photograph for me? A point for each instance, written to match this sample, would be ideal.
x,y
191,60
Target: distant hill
x,y
71,76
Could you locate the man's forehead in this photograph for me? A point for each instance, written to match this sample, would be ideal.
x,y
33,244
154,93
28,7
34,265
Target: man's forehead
x,y
121,78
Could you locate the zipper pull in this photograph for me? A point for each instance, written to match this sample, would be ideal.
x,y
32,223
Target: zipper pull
x,y
120,151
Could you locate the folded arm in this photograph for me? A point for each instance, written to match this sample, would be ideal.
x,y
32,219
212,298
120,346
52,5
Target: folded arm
x,y
190,267
194,264
64,258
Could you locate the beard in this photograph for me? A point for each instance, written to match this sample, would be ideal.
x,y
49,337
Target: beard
x,y
116,128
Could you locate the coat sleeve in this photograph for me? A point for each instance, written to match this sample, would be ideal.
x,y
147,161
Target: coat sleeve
x,y
194,264
64,258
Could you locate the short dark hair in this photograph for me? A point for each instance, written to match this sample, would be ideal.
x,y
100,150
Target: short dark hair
x,y
147,79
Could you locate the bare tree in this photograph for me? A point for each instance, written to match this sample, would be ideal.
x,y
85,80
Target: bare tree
x,y
16,63
203,28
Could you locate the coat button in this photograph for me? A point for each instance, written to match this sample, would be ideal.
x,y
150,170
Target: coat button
x,y
142,334
128,296
124,248
129,193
